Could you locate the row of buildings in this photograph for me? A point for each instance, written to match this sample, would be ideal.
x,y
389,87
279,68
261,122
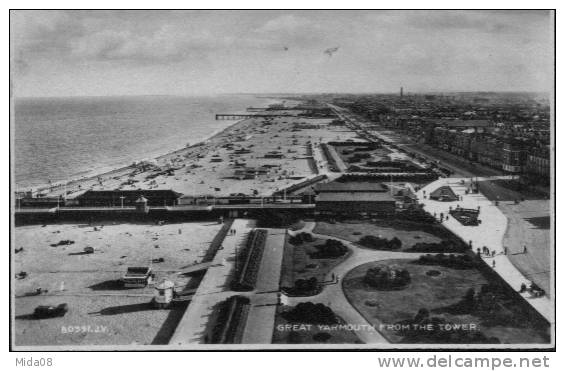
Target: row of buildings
x,y
337,197
506,132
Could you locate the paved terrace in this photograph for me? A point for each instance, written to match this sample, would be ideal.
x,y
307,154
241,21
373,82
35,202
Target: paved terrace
x,y
261,317
489,233
214,289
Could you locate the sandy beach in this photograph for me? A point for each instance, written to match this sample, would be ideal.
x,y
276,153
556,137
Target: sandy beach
x,y
88,282
208,168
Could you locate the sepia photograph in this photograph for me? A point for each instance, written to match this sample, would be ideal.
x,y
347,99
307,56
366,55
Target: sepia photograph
x,y
282,180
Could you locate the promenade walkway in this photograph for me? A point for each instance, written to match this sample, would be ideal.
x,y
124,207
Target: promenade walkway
x,y
214,289
261,318
489,233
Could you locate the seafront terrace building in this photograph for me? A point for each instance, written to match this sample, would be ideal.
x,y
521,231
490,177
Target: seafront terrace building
x,y
538,164
354,197
506,131
126,198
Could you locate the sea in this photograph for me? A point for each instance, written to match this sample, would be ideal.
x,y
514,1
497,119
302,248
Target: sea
x,y
60,139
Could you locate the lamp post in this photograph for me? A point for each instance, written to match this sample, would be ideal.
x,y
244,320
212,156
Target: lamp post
x,y
122,201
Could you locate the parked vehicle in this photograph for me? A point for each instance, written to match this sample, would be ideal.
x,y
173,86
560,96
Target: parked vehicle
x,y
50,311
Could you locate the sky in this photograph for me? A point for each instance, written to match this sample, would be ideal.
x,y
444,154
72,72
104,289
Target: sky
x,y
103,53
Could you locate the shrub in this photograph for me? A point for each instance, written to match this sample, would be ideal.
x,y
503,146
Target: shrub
x,y
387,278
378,243
449,261
329,250
308,285
311,313
294,338
300,238
425,329
321,337
249,261
230,317
445,246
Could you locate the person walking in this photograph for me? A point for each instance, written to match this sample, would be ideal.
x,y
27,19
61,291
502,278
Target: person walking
x,y
493,263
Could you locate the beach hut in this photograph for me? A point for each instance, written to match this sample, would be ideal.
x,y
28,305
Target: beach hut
x,y
164,293
141,205
137,277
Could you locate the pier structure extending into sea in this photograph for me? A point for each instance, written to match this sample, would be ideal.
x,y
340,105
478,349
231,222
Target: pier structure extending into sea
x,y
241,116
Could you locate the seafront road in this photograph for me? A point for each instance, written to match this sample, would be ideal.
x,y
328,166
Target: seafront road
x,y
489,233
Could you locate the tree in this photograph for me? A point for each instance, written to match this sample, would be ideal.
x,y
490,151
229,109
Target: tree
x,y
422,315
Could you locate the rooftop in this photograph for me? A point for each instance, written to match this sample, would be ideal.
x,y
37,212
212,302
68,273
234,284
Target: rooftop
x,y
351,187
355,197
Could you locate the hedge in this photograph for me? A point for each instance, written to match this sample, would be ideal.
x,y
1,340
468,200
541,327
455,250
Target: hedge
x,y
249,261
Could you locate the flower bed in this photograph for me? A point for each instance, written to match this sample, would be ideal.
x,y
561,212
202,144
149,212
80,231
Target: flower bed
x,y
230,320
331,160
249,261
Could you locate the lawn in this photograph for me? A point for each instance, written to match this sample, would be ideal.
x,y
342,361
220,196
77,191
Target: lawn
x,y
297,264
347,152
437,294
303,333
353,231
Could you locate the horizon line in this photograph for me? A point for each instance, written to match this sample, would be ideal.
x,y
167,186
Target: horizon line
x,y
406,93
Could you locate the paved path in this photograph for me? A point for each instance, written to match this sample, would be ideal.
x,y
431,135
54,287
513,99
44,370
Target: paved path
x,y
337,159
489,233
333,295
212,290
261,318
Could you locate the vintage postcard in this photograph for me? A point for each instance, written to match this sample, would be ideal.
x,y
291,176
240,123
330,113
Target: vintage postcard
x,y
282,179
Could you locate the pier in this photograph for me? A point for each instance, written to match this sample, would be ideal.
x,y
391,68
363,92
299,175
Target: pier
x,y
241,116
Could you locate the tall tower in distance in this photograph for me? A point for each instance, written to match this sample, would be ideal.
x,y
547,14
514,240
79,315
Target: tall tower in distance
x,y
401,92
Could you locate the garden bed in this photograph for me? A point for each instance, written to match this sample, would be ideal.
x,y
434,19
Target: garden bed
x,y
355,230
228,321
249,261
302,262
441,291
